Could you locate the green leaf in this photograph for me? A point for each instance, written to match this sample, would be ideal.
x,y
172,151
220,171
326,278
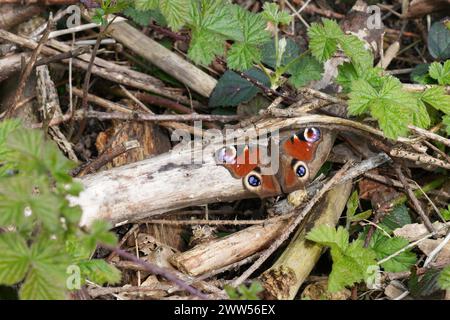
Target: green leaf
x,y
323,39
439,41
100,272
39,286
352,205
305,70
421,118
351,266
329,236
175,12
232,89
446,122
99,233
390,105
437,98
351,262
420,74
144,18
205,46
146,4
397,218
385,246
446,213
444,278
46,278
272,14
425,285
354,48
291,52
242,55
14,258
244,293
440,72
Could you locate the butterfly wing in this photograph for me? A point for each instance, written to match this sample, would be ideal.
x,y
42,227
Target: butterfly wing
x,y
297,154
244,162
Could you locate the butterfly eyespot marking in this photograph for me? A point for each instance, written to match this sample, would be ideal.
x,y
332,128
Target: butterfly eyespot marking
x,y
253,181
301,170
311,134
227,155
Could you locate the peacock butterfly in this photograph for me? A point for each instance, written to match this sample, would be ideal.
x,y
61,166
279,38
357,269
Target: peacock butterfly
x,y
297,162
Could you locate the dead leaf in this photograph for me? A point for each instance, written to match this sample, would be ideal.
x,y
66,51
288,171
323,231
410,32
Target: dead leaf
x,y
428,245
416,231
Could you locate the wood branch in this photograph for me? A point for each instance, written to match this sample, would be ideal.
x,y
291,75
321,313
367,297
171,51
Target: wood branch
x,y
11,64
285,277
172,181
12,15
210,256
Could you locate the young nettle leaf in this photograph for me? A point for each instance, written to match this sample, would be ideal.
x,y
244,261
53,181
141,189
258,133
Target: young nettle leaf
x,y
99,233
351,262
291,52
99,271
232,89
444,278
244,293
420,74
397,218
446,122
440,72
389,104
304,70
146,4
144,17
385,246
355,49
175,12
425,285
273,14
439,41
14,258
324,39
437,98
45,279
242,55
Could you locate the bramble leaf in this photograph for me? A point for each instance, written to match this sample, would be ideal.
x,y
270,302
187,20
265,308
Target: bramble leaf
x,y
444,278
272,13
305,70
440,72
385,246
324,39
437,98
15,258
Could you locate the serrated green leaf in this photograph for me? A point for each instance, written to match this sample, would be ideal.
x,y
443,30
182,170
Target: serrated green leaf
x,y
421,118
272,13
14,258
397,218
444,278
144,18
440,72
446,122
99,233
205,46
39,286
305,70
100,272
323,39
420,74
437,98
175,12
385,246
425,285
390,105
329,236
291,52
146,4
439,41
232,89
354,48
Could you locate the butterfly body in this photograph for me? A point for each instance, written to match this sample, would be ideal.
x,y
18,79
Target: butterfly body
x,y
297,160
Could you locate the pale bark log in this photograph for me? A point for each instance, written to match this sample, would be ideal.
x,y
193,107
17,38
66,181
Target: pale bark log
x,y
224,251
171,181
163,58
285,277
